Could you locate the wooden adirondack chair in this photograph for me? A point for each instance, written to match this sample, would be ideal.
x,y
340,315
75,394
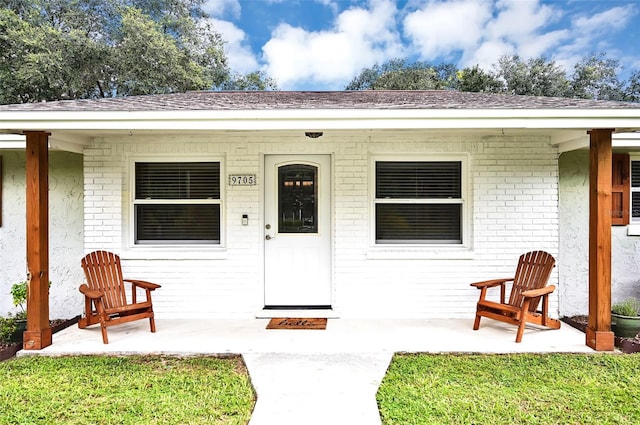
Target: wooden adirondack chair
x,y
105,295
528,289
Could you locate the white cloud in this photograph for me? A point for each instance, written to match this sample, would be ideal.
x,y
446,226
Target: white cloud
x,y
467,32
222,8
488,53
359,38
239,55
612,19
440,28
481,31
589,34
588,31
518,20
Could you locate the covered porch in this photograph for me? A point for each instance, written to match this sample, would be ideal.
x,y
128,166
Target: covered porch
x,y
250,336
474,126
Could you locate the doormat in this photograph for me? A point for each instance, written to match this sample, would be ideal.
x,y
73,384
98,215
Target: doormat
x,y
297,323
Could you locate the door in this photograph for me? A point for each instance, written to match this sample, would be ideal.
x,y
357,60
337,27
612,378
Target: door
x,y
297,244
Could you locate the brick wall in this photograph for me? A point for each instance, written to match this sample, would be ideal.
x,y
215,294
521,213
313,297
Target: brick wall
x,y
512,191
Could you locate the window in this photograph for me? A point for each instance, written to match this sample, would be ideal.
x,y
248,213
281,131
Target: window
x,y
297,199
177,203
635,191
419,202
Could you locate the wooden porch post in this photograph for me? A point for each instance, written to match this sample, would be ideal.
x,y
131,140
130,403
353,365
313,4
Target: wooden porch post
x,y
598,334
38,333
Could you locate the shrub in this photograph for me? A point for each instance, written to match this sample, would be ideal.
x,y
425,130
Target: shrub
x,y
629,307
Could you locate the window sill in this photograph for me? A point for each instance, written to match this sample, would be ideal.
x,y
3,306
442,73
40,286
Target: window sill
x,y
420,253
633,229
175,253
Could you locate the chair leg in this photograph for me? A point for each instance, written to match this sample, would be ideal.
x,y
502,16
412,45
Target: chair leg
x,y
103,328
82,323
523,318
476,324
152,323
520,330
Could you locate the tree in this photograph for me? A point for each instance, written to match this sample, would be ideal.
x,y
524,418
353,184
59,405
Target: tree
x,y
632,89
399,74
68,49
596,77
249,82
535,77
148,60
475,79
32,60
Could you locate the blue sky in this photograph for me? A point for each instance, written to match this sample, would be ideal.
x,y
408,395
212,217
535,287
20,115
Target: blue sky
x,y
323,44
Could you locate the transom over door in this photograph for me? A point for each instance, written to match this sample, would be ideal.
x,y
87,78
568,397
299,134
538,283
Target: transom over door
x,y
297,242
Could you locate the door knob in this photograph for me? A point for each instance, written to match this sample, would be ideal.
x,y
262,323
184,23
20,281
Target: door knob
x,y
269,237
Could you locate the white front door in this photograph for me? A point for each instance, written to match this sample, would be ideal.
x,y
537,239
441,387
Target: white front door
x,y
297,243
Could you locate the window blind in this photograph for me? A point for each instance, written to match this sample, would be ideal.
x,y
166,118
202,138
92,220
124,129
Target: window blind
x,y
180,223
418,180
177,180
635,189
418,202
177,202
418,223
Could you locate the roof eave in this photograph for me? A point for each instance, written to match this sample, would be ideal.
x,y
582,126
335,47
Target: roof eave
x,y
328,119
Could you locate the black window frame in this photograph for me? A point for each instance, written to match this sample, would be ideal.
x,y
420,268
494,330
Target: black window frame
x,y
415,206
205,204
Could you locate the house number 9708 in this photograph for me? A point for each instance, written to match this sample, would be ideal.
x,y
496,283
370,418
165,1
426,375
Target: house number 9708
x,y
242,179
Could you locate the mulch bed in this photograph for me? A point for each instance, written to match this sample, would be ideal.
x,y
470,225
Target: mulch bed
x,y
7,351
626,345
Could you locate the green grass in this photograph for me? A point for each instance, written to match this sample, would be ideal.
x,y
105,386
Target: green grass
x,y
511,389
125,390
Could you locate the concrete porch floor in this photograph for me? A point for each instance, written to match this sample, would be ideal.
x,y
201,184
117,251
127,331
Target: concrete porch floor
x,y
314,376
243,336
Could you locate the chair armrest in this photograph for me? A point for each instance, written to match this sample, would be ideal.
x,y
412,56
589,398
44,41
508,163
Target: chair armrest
x,y
491,283
143,284
90,293
532,293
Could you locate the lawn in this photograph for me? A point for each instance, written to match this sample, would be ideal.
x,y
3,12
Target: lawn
x,y
125,390
511,389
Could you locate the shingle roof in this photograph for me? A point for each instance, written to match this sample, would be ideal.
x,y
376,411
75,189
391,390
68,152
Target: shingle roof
x,y
274,100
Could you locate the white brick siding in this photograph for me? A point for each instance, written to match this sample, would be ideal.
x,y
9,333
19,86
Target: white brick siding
x,y
513,193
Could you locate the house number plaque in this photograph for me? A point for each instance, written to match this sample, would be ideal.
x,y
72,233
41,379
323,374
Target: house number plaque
x,y
242,179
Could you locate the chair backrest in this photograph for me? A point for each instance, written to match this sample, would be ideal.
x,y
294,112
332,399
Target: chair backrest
x,y
534,270
103,272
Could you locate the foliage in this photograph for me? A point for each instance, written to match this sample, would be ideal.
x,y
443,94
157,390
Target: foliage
x,y
476,79
19,294
8,327
125,390
399,74
632,90
535,77
629,307
511,389
252,81
594,77
71,49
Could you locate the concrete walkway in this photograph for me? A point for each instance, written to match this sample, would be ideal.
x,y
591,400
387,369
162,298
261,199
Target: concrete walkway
x,y
316,389
308,377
